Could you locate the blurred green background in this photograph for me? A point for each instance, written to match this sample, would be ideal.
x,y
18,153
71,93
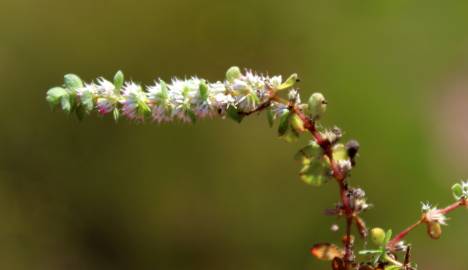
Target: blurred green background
x,y
218,195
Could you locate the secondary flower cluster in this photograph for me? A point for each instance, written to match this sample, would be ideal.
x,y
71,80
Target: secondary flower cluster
x,y
185,100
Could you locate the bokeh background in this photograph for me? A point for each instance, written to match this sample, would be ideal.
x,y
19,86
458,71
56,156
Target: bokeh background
x,y
218,195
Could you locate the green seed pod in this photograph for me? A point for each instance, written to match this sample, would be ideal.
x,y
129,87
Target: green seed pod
x,y
434,230
317,105
233,73
377,236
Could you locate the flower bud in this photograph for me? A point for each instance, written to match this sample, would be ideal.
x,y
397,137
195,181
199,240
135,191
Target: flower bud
x,y
352,147
434,230
317,105
233,73
377,236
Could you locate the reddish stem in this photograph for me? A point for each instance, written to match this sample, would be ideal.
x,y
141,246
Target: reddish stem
x,y
450,208
337,174
402,234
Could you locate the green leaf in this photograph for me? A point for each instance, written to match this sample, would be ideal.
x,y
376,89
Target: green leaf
x,y
315,171
234,114
291,135
284,123
203,88
457,191
192,116
339,152
288,83
233,73
254,98
312,150
143,108
54,96
73,82
116,114
164,94
388,237
270,117
87,101
66,103
119,79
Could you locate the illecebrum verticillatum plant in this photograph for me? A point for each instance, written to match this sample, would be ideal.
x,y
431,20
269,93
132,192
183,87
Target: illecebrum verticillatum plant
x,y
323,159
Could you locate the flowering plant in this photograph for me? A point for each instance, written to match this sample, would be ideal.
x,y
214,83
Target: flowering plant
x,y
323,159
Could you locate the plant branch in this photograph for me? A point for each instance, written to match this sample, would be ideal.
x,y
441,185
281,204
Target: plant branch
x,y
444,211
338,175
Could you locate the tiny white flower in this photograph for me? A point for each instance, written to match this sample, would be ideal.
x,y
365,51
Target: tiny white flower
x,y
134,103
345,165
87,88
432,214
240,85
247,102
278,109
220,97
294,96
400,246
106,96
105,105
425,207
254,80
465,187
105,87
276,81
159,99
180,95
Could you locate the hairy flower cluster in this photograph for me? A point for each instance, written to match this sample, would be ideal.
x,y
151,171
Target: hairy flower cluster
x,y
185,100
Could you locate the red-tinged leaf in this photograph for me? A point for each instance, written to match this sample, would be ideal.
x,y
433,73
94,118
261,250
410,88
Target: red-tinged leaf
x,y
326,251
